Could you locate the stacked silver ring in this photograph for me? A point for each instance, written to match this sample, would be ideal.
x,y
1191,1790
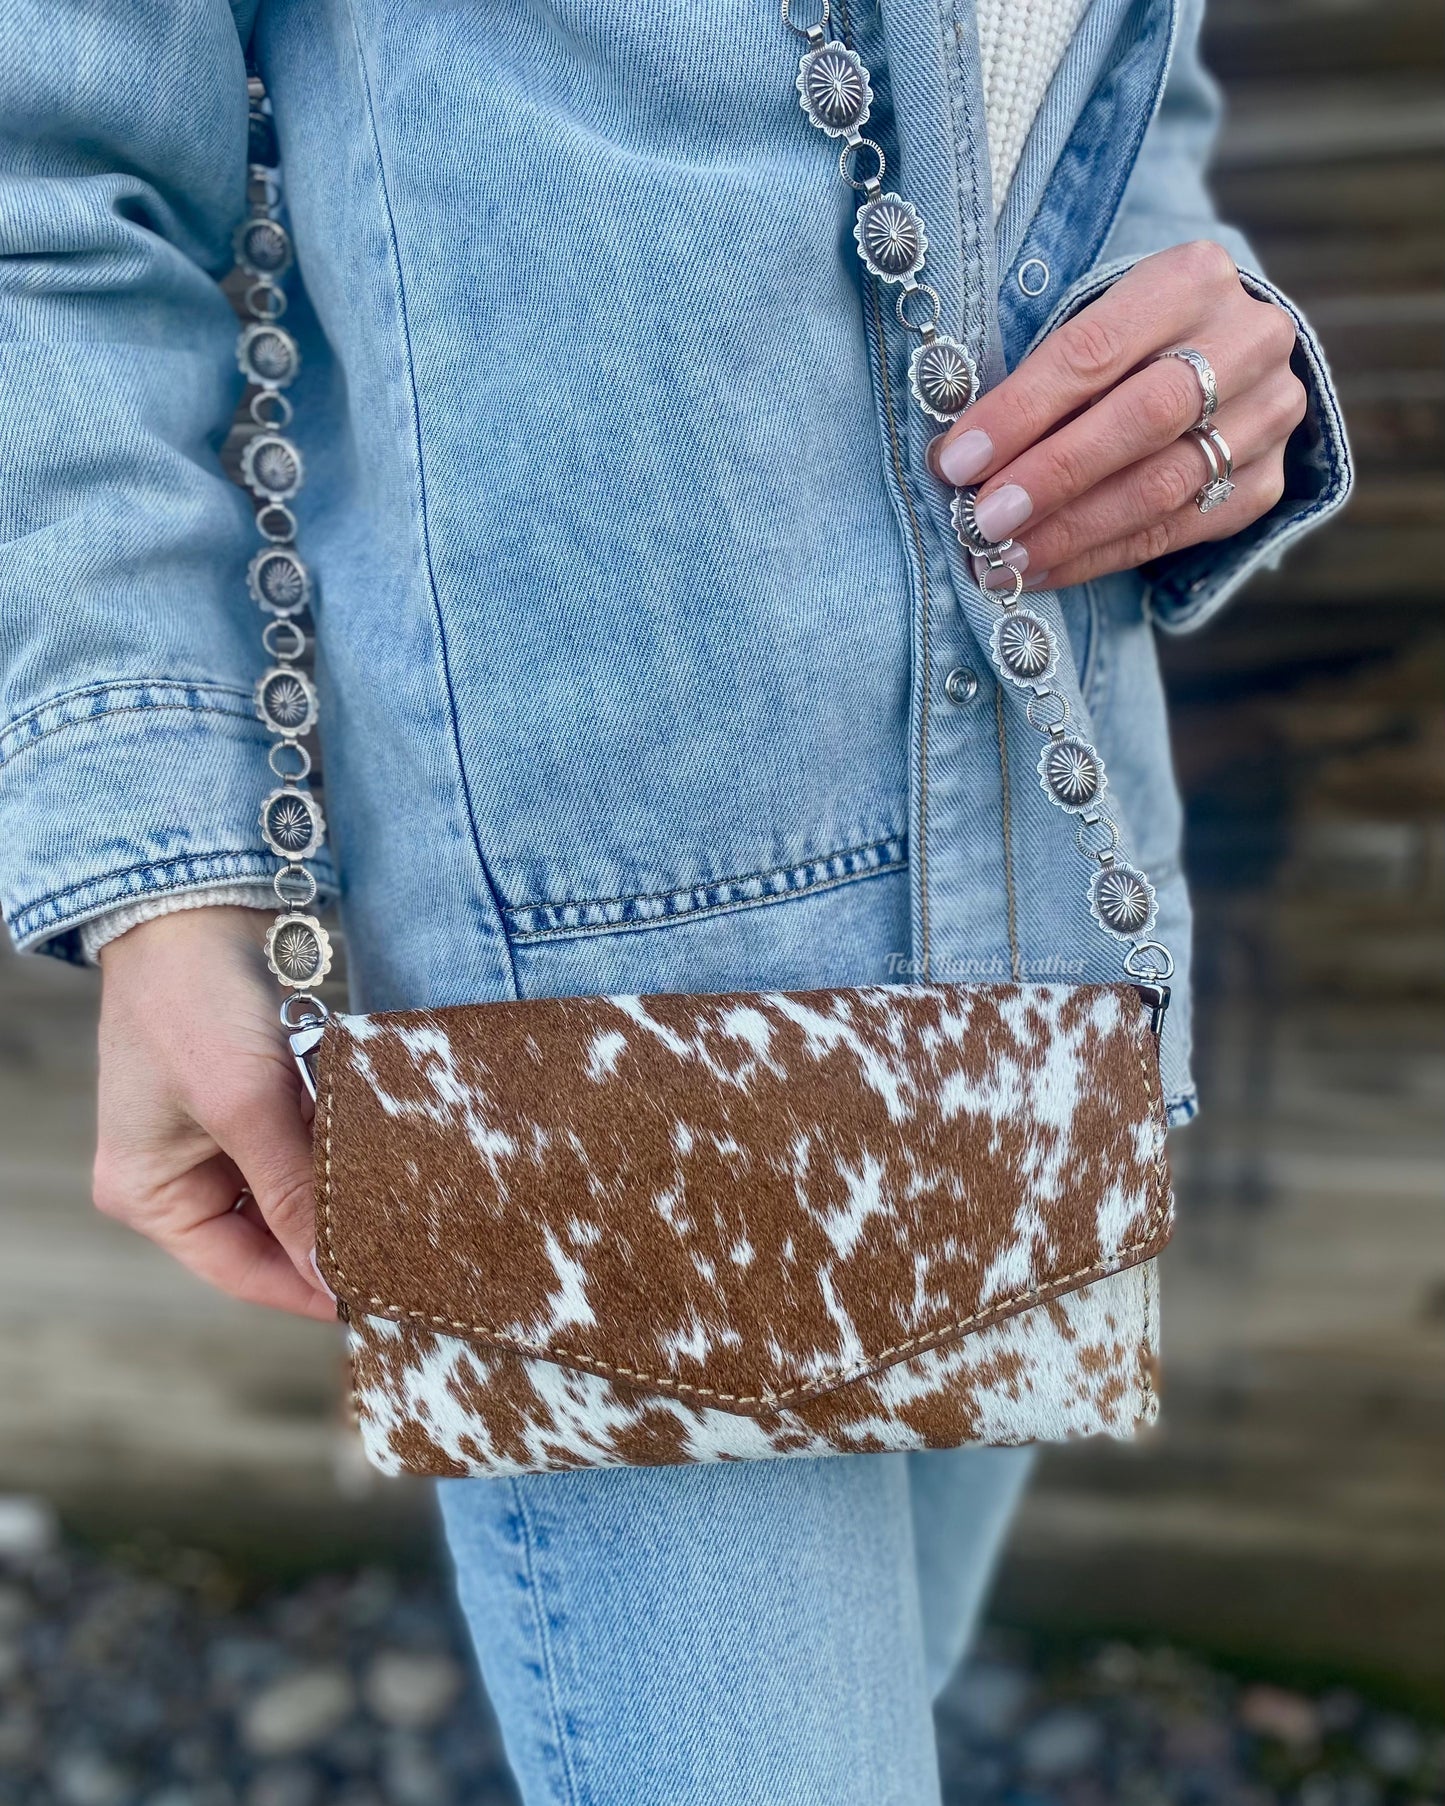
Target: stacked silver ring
x,y
1219,485
1217,455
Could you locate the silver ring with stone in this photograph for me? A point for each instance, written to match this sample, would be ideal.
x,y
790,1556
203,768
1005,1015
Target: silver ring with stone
x,y
1220,484
1208,386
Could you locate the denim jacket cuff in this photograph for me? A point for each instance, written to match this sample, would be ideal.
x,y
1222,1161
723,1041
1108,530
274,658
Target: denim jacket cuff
x,y
124,791
1188,587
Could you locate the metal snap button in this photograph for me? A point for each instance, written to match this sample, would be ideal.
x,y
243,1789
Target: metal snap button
x,y
1033,285
960,686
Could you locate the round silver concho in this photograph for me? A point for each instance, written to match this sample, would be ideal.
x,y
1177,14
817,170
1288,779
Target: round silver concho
x,y
279,581
834,90
271,467
286,702
291,823
1024,649
268,355
965,525
1122,901
890,237
298,950
943,378
1072,774
263,247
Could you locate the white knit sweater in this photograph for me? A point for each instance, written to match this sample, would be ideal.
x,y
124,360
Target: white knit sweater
x,y
1020,43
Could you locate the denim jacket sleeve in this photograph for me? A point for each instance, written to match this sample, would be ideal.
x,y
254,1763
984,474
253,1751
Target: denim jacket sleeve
x,y
131,760
1167,202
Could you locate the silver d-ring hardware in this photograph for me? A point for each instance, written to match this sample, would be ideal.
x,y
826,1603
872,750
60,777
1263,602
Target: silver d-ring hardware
x,y
312,1011
1156,950
1035,289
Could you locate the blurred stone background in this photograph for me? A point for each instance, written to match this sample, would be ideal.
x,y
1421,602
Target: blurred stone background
x,y
1289,1516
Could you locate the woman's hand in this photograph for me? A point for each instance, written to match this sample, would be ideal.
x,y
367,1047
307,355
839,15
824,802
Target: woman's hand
x,y
199,1102
1078,453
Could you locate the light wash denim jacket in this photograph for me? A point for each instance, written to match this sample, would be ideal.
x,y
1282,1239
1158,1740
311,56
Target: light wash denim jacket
x,y
637,600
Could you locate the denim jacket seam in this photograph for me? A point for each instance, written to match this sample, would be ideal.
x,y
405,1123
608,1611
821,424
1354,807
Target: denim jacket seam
x,y
14,741
873,325
677,890
419,462
48,910
717,901
561,1742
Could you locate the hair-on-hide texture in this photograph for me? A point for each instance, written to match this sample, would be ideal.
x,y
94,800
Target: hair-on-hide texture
x,y
589,1231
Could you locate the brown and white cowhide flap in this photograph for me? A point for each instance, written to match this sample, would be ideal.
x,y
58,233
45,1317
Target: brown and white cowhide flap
x,y
578,1230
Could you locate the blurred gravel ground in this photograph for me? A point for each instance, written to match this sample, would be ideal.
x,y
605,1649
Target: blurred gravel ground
x,y
149,1680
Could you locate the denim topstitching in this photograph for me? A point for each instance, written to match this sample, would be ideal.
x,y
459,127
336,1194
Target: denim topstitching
x,y
893,857
13,731
560,1740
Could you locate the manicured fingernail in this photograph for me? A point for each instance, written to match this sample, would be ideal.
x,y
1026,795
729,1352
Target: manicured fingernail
x,y
316,1269
1040,581
964,459
999,513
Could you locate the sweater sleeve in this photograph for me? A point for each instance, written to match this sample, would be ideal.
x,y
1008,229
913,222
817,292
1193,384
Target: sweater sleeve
x,y
1167,202
132,764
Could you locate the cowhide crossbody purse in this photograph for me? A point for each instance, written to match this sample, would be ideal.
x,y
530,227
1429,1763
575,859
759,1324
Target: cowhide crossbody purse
x,y
573,1232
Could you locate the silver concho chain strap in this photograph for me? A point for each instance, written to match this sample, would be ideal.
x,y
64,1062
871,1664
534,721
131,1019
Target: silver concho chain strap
x,y
298,948
836,93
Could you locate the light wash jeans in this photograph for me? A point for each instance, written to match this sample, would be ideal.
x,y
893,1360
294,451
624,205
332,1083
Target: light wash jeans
x,y
738,1634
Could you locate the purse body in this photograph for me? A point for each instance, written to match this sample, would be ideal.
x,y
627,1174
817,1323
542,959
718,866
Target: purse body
x,y
571,1232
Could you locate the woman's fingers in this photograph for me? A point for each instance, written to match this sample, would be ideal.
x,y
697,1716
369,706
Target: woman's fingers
x,y
1158,303
1167,480
261,1126
192,1217
1147,412
1258,487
